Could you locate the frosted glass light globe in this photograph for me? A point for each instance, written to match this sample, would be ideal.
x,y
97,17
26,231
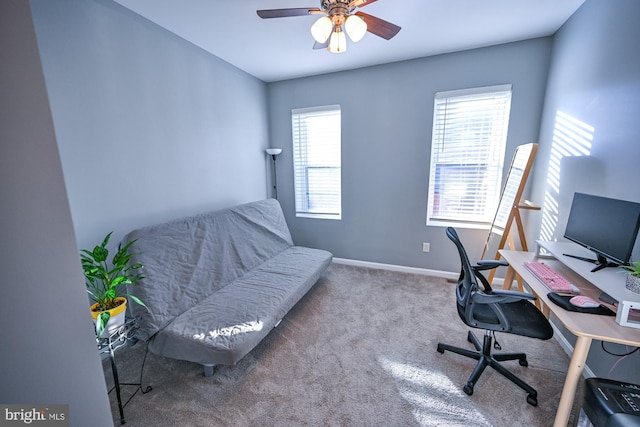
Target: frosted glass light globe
x,y
321,29
338,43
356,28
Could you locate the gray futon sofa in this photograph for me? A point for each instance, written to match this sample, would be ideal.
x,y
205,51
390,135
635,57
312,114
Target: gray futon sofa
x,y
217,283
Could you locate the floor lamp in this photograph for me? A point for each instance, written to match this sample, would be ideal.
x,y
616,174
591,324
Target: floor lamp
x,y
273,152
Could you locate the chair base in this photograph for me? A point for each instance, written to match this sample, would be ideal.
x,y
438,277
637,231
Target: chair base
x,y
485,358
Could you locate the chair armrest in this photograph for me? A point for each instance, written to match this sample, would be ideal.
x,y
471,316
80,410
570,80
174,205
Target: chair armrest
x,y
493,300
516,294
501,296
489,264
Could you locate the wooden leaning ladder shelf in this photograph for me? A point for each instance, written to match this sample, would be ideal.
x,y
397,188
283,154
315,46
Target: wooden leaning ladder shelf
x,y
509,208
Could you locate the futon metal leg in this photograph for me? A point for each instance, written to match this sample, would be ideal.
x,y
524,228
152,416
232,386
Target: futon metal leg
x,y
209,370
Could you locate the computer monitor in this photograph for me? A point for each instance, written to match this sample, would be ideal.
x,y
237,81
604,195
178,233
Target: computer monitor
x,y
608,227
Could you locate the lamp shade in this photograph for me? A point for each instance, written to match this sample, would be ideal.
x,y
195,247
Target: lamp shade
x,y
321,29
338,42
274,151
356,28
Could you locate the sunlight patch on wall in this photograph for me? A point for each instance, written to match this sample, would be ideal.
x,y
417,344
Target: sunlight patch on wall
x,y
571,138
430,394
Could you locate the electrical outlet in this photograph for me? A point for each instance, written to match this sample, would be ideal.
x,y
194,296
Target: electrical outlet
x,y
426,247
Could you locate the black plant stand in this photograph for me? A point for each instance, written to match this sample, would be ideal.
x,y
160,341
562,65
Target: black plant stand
x,y
120,337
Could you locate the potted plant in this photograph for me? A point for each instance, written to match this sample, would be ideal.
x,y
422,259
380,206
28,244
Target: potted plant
x,y
633,276
105,284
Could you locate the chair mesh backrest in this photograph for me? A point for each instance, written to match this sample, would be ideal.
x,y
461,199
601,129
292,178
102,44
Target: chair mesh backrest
x,y
494,312
467,282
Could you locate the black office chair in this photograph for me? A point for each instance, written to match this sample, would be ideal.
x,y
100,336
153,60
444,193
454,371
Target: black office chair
x,y
503,311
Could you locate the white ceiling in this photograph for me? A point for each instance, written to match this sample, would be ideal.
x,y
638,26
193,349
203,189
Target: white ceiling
x,y
281,48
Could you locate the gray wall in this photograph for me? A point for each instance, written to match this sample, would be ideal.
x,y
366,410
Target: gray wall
x,y
48,353
387,121
134,126
595,79
149,126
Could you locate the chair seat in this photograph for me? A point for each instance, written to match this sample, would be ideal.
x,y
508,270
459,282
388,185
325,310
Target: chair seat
x,y
524,317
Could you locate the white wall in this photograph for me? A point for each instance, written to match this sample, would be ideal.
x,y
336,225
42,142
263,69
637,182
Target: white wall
x,y
48,352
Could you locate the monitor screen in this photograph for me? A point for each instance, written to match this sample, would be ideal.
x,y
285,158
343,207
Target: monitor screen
x,y
608,227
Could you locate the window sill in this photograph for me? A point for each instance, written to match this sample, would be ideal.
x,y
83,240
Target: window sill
x,y
457,224
318,215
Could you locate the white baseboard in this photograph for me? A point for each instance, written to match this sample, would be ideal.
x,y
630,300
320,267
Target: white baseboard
x,y
566,346
404,269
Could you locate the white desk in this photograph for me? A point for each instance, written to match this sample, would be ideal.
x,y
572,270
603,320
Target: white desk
x,y
585,327
610,280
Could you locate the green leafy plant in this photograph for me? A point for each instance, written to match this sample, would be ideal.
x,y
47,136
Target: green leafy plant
x,y
633,268
106,281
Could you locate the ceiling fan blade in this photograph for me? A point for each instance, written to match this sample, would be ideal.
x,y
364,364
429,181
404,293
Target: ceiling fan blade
x,y
324,45
360,3
283,13
379,27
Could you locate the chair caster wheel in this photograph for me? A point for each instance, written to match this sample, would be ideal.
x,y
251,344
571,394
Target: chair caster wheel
x,y
439,349
532,400
523,362
468,389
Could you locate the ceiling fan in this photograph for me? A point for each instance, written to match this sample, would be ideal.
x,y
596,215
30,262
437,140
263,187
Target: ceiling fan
x,y
339,17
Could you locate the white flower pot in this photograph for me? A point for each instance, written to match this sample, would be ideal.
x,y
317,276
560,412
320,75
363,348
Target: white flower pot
x,y
116,318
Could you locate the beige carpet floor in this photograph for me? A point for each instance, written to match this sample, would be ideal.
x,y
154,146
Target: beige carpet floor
x,y
358,350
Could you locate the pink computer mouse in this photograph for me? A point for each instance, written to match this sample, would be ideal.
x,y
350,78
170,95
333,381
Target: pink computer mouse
x,y
584,302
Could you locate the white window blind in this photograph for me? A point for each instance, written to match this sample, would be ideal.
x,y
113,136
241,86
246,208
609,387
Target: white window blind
x,y
467,155
317,161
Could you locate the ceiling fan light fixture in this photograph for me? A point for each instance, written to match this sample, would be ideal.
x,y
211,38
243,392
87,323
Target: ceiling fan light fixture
x,y
340,18
338,42
356,28
321,29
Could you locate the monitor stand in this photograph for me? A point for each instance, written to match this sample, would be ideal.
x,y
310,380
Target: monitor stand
x,y
600,263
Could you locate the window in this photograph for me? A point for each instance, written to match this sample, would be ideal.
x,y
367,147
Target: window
x,y
317,162
467,155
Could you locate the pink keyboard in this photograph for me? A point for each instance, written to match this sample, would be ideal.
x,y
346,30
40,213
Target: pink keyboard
x,y
550,278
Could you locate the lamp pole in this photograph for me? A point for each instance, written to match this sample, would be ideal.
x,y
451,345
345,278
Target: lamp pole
x,y
273,152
